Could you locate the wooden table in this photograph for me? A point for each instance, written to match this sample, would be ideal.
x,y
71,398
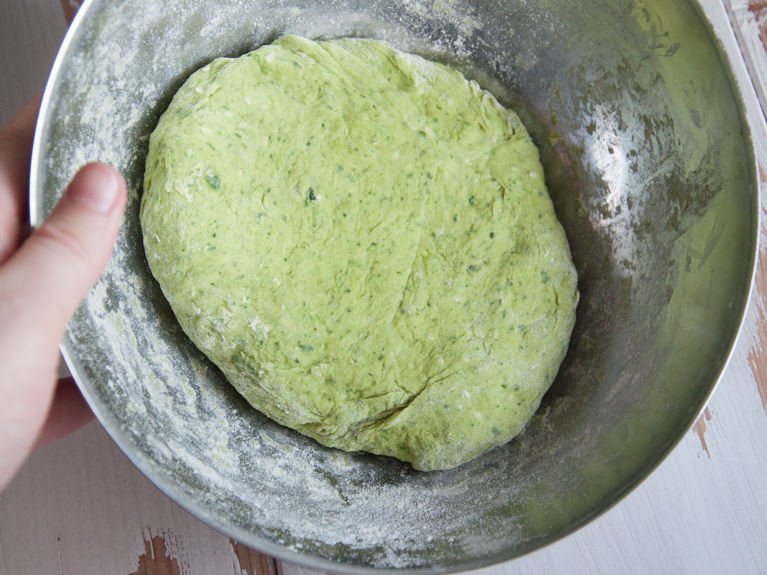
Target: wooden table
x,y
80,507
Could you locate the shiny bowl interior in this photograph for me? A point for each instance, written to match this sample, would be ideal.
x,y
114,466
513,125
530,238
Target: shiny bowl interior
x,y
649,163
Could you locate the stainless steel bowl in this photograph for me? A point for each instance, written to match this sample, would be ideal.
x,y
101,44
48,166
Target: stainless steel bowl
x,y
648,159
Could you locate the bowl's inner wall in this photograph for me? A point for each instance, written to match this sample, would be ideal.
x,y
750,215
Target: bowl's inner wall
x,y
649,165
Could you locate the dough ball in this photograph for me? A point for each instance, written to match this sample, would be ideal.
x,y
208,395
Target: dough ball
x,y
362,241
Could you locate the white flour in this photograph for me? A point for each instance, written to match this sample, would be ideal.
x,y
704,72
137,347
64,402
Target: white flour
x,y
174,414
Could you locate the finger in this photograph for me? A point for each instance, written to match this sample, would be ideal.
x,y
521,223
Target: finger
x,y
15,149
68,412
57,265
40,286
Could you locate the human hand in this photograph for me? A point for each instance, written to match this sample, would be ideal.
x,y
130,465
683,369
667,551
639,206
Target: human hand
x,y
43,278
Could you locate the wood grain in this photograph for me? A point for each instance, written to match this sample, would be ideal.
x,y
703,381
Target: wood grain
x,y
251,562
749,24
30,33
156,559
757,356
700,429
70,8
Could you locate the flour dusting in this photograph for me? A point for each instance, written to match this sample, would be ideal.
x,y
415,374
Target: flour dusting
x,y
197,439
162,400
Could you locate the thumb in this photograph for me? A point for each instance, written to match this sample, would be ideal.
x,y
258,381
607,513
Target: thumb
x,y
64,257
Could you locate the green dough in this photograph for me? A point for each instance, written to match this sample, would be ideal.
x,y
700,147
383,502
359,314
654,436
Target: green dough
x,y
362,241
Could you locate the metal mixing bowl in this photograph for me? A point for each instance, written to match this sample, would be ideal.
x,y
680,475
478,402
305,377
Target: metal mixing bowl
x,y
648,159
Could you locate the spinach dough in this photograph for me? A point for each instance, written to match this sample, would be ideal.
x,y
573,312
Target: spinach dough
x,y
362,241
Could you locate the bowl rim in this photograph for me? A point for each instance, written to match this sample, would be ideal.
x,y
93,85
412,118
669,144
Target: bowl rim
x,y
313,561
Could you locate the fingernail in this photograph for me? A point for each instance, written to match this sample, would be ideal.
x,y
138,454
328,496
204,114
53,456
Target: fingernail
x,y
95,186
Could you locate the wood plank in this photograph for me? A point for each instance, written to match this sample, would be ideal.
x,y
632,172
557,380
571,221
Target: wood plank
x,y
70,8
30,34
252,562
749,21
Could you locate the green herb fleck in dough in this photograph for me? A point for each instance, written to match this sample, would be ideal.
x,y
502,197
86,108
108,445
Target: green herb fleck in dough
x,y
213,181
413,244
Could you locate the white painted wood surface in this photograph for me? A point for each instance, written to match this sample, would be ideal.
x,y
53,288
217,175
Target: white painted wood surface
x,y
80,507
